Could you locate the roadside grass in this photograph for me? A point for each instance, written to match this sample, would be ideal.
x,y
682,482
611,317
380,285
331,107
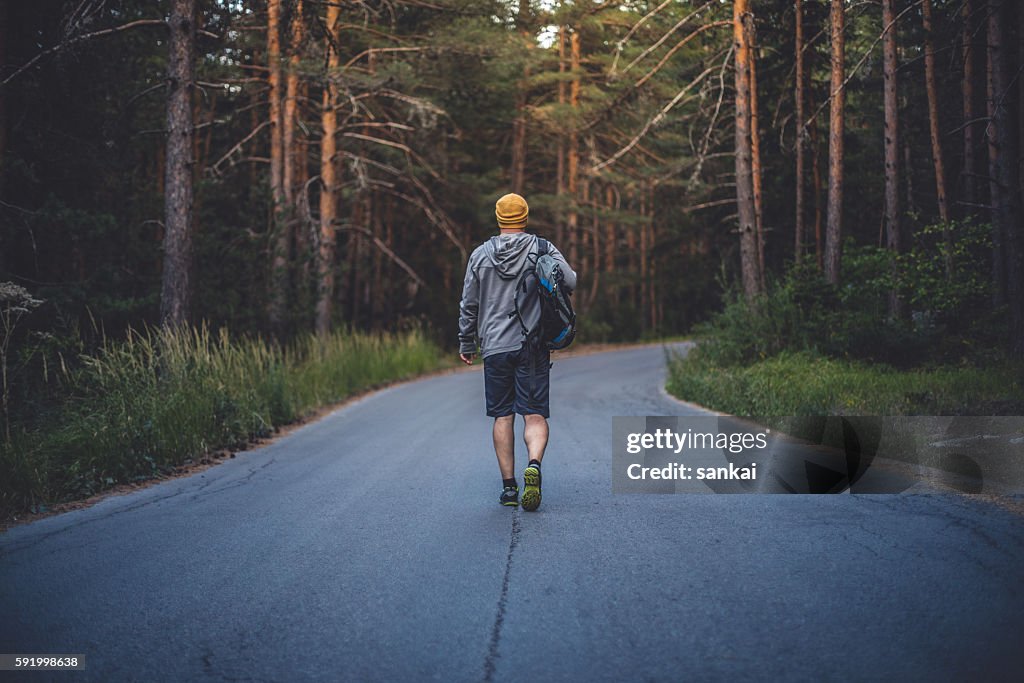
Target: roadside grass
x,y
140,407
804,383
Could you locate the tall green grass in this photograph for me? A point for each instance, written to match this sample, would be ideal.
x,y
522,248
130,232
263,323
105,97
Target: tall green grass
x,y
141,406
804,383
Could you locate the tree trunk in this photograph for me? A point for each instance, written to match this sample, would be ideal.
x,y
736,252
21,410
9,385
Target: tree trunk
x,y
799,230
755,148
595,232
328,178
611,237
819,242
290,157
3,107
994,56
970,171
933,115
744,171
278,300
644,263
652,245
892,146
560,166
633,261
175,288
1019,71
519,125
908,176
834,225
1006,211
574,101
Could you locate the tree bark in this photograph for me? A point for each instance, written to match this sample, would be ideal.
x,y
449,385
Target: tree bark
x,y
834,223
295,172
1002,145
933,116
175,287
892,146
3,106
278,299
755,147
644,261
744,172
595,248
652,242
573,160
970,193
610,238
993,57
328,177
519,124
799,228
560,165
290,156
819,241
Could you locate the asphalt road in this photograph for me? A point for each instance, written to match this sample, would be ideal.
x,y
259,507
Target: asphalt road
x,y
370,546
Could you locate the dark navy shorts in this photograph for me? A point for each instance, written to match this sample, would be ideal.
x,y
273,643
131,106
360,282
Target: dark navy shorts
x,y
517,382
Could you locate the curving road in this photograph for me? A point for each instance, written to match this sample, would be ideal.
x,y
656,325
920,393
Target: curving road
x,y
370,546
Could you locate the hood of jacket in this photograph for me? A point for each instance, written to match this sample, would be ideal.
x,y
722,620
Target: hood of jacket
x,y
509,252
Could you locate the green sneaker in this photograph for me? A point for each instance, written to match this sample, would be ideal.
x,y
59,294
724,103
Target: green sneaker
x,y
531,496
509,496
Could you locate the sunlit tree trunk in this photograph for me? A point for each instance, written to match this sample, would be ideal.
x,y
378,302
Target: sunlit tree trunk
x,y
936,136
573,156
744,172
278,299
328,177
290,156
560,166
519,124
834,224
933,112
755,147
892,144
178,196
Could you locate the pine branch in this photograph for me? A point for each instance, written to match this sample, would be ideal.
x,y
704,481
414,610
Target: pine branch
x,y
79,39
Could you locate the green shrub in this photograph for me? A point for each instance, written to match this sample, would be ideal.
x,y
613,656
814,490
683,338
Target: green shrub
x,y
948,316
803,383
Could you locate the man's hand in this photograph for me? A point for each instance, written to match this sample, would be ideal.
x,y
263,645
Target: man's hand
x,y
467,358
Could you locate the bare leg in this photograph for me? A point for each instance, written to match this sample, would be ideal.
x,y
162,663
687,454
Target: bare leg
x,y
505,444
536,436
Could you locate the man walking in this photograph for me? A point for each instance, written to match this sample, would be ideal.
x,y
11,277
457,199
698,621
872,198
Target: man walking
x,y
516,373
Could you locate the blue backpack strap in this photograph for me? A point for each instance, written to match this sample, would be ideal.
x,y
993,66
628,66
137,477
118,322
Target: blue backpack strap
x,y
542,246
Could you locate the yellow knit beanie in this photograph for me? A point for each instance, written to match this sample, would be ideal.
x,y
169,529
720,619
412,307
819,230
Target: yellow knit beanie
x,y
511,211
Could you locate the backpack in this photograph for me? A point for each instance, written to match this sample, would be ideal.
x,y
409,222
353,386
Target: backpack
x,y
556,326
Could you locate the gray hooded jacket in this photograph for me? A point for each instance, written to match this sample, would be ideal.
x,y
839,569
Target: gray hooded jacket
x,y
488,294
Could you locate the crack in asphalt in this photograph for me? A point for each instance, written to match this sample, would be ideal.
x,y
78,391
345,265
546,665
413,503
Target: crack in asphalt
x,y
491,661
199,492
15,547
